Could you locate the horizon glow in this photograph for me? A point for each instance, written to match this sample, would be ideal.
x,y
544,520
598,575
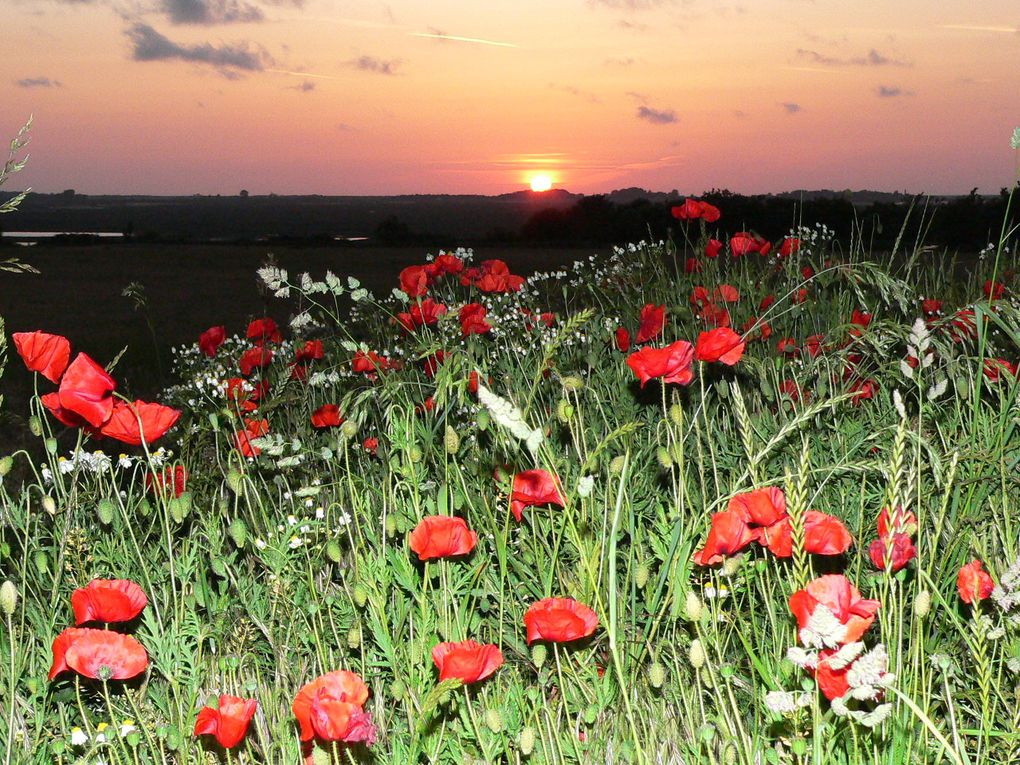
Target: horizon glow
x,y
182,97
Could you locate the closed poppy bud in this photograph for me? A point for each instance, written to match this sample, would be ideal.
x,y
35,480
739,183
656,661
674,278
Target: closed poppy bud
x,y
8,597
6,463
360,595
105,510
696,654
693,607
539,653
527,740
35,426
451,441
238,531
493,720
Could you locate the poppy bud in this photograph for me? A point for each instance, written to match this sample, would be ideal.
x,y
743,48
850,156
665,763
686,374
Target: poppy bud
x,y
391,526
234,480
527,740
922,604
349,429
398,690
482,418
696,654
144,508
360,595
616,465
9,597
693,607
105,510
42,562
494,720
641,576
662,455
333,551
35,426
799,747
676,414
415,454
238,531
572,383
49,505
564,410
656,675
538,654
179,510
353,637
451,440
6,464
731,564
51,445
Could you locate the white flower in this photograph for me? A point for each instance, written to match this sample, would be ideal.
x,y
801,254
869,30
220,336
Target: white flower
x,y
823,629
126,727
786,702
801,658
585,486
898,403
510,417
937,389
78,737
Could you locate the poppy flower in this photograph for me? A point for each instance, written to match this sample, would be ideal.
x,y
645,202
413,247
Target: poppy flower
x,y
823,535
312,350
766,303
931,307
173,480
467,660
66,417
715,316
43,353
721,344
423,314
441,536
813,345
108,600
692,266
725,293
789,246
138,421
86,390
761,507
672,364
534,487
807,272
559,620
863,390
327,416
371,445
254,358
900,521
994,290
859,319
414,281
651,322
853,614
210,340
743,243
228,721
898,550
712,248
973,583
331,708
692,209
728,535
622,340
264,330
243,438
832,682
472,320
98,654
994,369
963,325
446,263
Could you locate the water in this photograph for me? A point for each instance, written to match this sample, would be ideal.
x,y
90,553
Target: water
x,y
51,234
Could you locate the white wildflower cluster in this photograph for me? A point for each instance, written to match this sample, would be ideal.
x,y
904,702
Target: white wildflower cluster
x,y
276,280
812,238
786,702
300,531
1006,596
823,629
510,417
103,733
97,462
465,254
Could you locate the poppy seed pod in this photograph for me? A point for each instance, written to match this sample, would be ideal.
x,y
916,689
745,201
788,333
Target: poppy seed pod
x,y
538,655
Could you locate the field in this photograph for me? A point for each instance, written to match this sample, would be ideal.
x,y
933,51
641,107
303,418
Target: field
x,y
717,500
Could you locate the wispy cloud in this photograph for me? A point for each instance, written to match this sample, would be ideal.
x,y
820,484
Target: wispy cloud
x,y
873,58
150,45
211,11
982,28
577,92
307,86
657,116
889,91
436,34
375,65
38,82
620,61
629,5
303,74
791,108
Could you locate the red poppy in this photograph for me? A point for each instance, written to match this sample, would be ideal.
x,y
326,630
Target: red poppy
x,y
331,708
492,276
228,721
712,248
725,293
759,508
994,369
863,390
789,246
695,208
370,363
897,549
744,243
692,266
433,362
534,487
622,340
672,364
243,438
861,319
472,320
264,330
312,350
832,682
43,353
973,583
931,306
441,536
371,445
807,272
414,281
722,345
715,316
766,303
651,323
728,535
138,421
559,620
963,325
108,600
98,654
994,290
210,340
839,596
173,480
813,345
86,390
423,314
756,329
899,521
52,403
254,358
823,535
446,263
788,347
467,660
790,389
327,416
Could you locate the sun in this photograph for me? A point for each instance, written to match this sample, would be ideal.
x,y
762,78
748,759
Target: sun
x,y
541,183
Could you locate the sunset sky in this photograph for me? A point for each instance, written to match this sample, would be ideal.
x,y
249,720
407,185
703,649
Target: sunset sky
x,y
335,97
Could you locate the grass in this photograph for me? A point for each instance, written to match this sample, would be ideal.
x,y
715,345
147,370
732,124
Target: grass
x,y
270,571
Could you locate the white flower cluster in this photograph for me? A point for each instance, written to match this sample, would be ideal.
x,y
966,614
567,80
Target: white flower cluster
x,y
823,629
786,702
510,417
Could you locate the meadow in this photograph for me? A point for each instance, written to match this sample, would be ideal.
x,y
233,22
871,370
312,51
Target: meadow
x,y
712,500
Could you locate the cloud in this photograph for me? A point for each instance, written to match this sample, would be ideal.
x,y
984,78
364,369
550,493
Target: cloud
x,y
304,87
874,58
38,82
887,91
150,45
629,5
574,91
620,61
210,11
376,65
657,116
791,107
441,36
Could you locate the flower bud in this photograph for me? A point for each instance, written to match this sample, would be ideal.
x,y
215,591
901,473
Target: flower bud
x,y
51,445
238,531
696,654
6,463
922,604
538,654
106,509
353,637
398,690
572,382
641,576
360,595
693,607
35,426
564,410
8,597
616,465
415,454
49,505
656,675
662,455
676,415
391,526
333,551
42,562
234,480
349,429
451,440
493,720
482,418
527,740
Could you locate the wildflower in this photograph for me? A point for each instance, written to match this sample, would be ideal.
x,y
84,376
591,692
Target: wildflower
x,y
127,727
534,487
139,421
789,246
695,208
243,438
327,416
672,364
43,353
263,330
651,323
973,583
897,550
622,340
210,340
86,390
108,600
331,708
472,320
442,536
830,611
712,248
728,535
467,660
254,358
559,620
423,314
98,654
721,344
228,721
173,480
78,737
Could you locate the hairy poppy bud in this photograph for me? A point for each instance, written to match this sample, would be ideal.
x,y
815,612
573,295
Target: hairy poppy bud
x,y
482,418
527,740
105,510
360,595
238,531
398,690
656,675
494,720
35,426
616,465
451,440
49,505
333,551
51,445
572,382
42,562
538,654
234,480
922,604
144,508
696,654
676,415
415,454
731,564
321,756
349,429
662,455
6,464
693,607
564,410
180,507
391,526
353,637
9,597
641,576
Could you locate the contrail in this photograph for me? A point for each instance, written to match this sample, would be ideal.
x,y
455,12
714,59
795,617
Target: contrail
x,y
303,74
462,39
979,28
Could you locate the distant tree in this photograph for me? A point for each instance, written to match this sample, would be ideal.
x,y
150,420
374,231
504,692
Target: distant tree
x,y
67,193
244,193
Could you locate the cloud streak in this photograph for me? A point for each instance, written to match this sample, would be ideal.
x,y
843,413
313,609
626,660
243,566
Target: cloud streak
x,y
437,35
889,91
150,45
208,12
657,116
873,58
375,65
38,82
791,108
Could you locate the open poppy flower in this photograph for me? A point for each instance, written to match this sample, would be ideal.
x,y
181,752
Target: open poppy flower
x,y
414,281
442,536
899,521
833,592
445,263
472,320
98,654
312,350
66,417
712,248
423,314
43,353
973,583
327,416
789,246
133,423
467,660
823,535
330,708
896,551
534,487
728,535
263,331
243,438
692,209
254,358
743,243
210,340
721,344
228,721
672,364
832,682
559,620
173,480
651,323
622,338
87,390
108,600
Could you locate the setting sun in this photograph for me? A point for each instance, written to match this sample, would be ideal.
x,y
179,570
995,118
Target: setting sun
x,y
541,183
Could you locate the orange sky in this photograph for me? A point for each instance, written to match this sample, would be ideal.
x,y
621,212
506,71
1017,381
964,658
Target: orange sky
x,y
344,97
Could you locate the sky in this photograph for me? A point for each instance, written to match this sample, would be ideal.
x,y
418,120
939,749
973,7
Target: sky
x,y
401,97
